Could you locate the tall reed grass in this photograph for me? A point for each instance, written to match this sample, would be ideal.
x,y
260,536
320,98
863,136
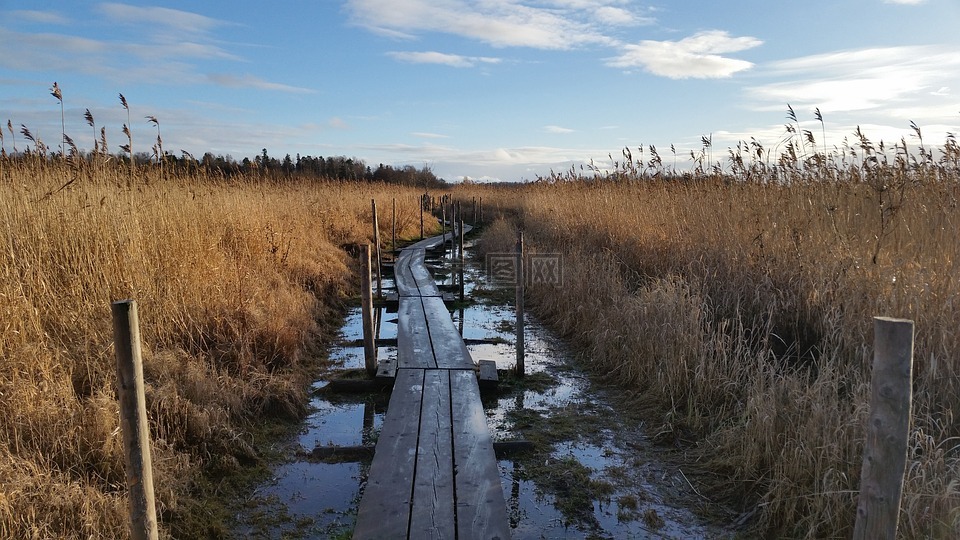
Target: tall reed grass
x,y
239,284
736,306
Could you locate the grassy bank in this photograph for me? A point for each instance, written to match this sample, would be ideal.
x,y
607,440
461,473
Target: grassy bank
x,y
738,310
238,283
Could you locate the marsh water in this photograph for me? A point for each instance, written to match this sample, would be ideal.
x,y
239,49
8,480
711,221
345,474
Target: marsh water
x,y
593,472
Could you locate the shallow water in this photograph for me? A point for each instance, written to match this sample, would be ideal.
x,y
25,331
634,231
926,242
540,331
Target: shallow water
x,y
644,498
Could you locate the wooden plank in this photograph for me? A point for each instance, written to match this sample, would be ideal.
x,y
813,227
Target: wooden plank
x,y
403,277
413,337
448,347
425,282
432,515
481,509
488,379
385,507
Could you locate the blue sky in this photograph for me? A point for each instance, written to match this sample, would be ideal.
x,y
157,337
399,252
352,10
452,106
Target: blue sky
x,y
488,89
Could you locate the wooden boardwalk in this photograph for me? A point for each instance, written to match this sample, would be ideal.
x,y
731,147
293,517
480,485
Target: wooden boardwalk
x,y
434,473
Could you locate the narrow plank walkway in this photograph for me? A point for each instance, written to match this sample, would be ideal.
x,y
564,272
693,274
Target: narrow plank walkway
x,y
434,473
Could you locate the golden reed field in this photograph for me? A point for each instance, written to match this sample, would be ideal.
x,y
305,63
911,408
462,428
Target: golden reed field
x,y
240,283
732,303
736,306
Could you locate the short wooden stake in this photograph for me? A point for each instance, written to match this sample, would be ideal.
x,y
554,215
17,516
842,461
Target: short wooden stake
x,y
133,420
366,295
520,284
888,430
376,243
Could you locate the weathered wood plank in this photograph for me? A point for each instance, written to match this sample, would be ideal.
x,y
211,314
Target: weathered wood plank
x,y
425,282
403,276
432,515
448,347
413,338
481,509
385,506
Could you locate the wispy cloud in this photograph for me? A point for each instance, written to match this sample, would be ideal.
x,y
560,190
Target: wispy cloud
x,y
433,57
905,2
160,20
557,129
424,135
166,46
699,56
251,81
502,23
43,17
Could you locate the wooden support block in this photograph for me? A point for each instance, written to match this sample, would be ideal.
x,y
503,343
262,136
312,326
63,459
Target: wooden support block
x,y
488,379
387,369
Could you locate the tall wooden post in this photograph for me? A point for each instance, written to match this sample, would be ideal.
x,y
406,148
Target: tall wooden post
x,y
366,305
462,286
376,243
888,429
133,420
393,241
474,211
481,209
520,285
422,202
443,228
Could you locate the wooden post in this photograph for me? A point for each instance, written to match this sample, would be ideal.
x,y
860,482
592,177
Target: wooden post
x,y
366,295
888,429
376,243
443,228
393,241
520,284
422,202
481,209
462,286
474,211
133,420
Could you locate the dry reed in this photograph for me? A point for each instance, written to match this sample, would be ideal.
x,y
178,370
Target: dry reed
x,y
739,310
238,285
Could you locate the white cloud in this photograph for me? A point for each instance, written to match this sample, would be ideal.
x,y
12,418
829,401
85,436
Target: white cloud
x,y
905,2
433,57
616,16
698,56
862,79
500,23
557,129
